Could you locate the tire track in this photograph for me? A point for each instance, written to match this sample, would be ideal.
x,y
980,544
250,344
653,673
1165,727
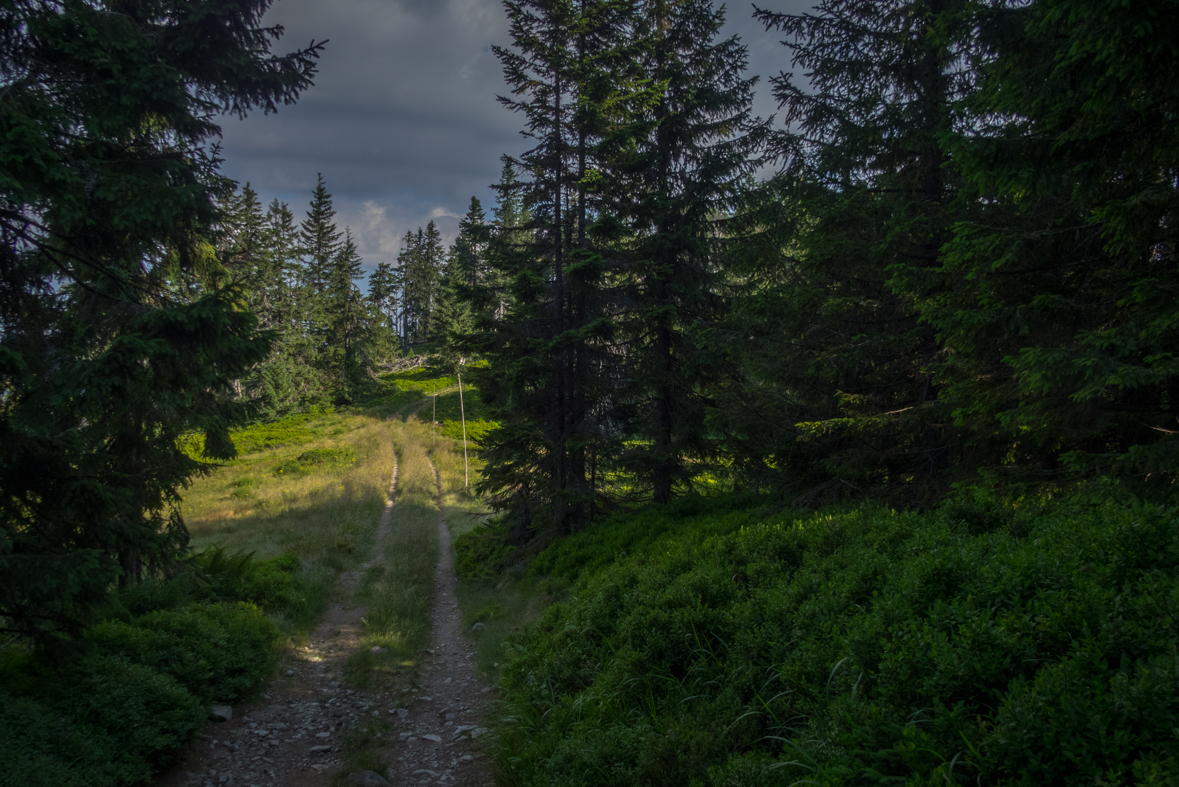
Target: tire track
x,y
292,735
441,747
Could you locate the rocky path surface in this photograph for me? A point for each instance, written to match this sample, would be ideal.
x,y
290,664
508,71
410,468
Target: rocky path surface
x,y
444,722
293,735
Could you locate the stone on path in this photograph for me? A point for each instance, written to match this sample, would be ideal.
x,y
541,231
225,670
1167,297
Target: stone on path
x,y
367,779
221,713
435,738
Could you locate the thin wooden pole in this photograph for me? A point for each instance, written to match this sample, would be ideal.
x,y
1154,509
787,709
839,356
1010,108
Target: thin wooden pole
x,y
434,420
463,414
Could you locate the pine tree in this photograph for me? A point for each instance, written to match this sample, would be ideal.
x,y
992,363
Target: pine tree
x,y
244,250
320,241
282,240
320,238
107,357
695,143
384,292
1061,287
348,328
551,347
289,378
511,222
464,280
468,262
420,260
866,189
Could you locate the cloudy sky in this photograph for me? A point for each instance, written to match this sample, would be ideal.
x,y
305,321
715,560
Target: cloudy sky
x,y
403,120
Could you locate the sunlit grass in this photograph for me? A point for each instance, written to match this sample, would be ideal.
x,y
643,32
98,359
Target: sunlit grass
x,y
326,514
399,591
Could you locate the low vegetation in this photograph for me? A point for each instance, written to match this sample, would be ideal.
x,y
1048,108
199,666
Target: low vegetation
x,y
271,530
398,590
721,643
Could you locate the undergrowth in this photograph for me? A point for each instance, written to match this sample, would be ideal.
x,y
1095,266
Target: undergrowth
x,y
980,644
112,708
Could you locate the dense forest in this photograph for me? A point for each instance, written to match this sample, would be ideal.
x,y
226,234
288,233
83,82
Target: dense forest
x,y
937,292
963,270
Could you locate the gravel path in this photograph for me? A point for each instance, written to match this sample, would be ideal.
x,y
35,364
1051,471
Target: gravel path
x,y
442,726
293,735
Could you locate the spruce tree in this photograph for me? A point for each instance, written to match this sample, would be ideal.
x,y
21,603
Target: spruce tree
x,y
106,357
348,328
695,142
320,237
289,378
851,405
407,268
320,241
511,232
1059,302
421,261
468,264
384,292
552,345
464,276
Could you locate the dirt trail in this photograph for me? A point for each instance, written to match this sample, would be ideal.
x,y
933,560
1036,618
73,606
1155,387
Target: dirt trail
x,y
293,735
439,747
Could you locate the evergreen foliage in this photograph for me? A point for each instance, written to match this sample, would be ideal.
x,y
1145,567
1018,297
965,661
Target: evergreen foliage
x,y
695,141
861,201
464,274
551,347
119,328
1059,296
420,262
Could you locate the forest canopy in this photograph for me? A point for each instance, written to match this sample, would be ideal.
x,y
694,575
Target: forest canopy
x,y
959,274
962,272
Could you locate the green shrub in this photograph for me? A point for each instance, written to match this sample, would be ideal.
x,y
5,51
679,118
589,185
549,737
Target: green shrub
x,y
218,652
214,575
318,458
292,430
974,645
100,722
483,551
243,488
477,429
271,584
42,747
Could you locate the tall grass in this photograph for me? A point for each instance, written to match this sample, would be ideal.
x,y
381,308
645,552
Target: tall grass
x,y
326,513
399,590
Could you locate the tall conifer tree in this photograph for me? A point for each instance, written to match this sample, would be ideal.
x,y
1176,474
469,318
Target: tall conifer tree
x,y
348,327
853,405
696,142
1061,284
106,358
320,237
553,340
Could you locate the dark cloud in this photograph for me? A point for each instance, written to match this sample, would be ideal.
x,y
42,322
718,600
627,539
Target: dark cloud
x,y
403,120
